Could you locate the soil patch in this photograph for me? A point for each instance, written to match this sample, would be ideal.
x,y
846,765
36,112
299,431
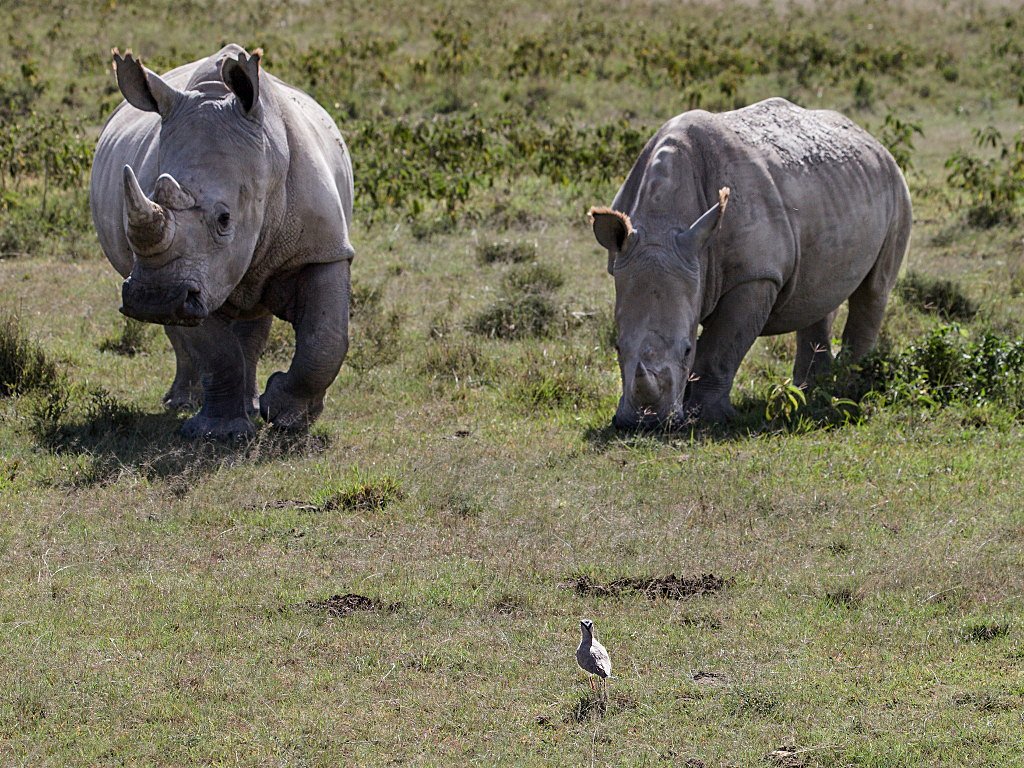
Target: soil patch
x,y
340,606
672,587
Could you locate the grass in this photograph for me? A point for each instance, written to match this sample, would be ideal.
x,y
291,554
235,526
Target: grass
x,y
834,584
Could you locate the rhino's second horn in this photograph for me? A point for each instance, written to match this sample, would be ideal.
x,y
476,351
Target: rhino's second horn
x,y
150,228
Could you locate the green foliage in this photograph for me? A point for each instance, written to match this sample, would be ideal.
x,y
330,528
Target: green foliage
x,y
360,491
375,334
898,137
546,380
506,251
135,336
783,401
457,359
24,365
993,186
525,306
936,295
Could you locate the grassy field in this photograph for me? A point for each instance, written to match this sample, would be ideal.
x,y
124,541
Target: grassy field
x,y
404,584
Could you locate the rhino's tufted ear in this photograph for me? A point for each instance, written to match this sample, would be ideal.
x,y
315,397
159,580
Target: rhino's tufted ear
x,y
696,237
613,230
242,76
142,88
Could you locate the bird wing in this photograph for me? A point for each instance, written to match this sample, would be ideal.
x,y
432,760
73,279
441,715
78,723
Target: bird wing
x,y
601,659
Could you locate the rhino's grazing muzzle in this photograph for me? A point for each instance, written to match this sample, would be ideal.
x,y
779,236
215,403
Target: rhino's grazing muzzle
x,y
150,228
152,305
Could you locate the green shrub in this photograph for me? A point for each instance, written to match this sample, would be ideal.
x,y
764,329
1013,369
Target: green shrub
x,y
520,317
359,491
993,185
935,295
506,251
135,337
24,365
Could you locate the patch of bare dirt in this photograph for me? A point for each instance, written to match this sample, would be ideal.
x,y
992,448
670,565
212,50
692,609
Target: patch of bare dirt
x,y
340,606
671,587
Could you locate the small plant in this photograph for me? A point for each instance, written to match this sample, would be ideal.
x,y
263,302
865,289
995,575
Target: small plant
x,y
934,295
134,338
544,381
359,491
993,186
459,360
24,366
525,307
506,251
783,400
898,137
375,334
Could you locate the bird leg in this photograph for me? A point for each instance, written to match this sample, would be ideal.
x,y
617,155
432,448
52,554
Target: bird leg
x,y
592,688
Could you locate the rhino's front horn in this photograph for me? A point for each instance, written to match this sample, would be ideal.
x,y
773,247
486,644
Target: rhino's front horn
x,y
646,387
150,227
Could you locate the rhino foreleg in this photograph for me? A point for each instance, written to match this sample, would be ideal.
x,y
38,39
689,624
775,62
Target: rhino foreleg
x,y
318,309
215,349
252,336
186,392
728,334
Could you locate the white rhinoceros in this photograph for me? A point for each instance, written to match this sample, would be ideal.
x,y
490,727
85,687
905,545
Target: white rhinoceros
x,y
224,197
819,213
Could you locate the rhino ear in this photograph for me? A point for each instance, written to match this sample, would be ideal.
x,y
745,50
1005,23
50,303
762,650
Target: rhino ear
x,y
142,88
242,76
697,236
613,230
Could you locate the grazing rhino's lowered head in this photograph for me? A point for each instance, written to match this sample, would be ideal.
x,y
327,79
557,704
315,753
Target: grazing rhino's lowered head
x,y
658,301
194,233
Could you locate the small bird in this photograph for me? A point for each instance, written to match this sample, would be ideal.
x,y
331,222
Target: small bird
x,y
591,655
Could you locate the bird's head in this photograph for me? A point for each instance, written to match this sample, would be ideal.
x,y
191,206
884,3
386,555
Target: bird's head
x,y
586,626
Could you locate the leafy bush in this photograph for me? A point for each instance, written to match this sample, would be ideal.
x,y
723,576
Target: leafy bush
x,y
135,337
935,295
993,185
24,365
506,251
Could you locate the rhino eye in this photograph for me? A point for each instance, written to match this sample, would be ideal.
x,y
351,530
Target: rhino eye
x,y
224,220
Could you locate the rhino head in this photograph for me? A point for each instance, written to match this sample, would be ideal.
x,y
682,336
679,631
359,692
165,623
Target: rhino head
x,y
658,299
194,233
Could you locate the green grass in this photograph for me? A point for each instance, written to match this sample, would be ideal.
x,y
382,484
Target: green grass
x,y
402,585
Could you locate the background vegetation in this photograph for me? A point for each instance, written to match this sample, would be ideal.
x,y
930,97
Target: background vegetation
x,y
833,580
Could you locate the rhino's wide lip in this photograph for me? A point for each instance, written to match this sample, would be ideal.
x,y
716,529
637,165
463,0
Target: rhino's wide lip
x,y
674,422
185,307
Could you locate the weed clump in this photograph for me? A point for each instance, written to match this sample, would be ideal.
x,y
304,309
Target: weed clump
x,y
525,306
24,365
360,492
377,338
943,297
544,381
134,338
506,252
457,360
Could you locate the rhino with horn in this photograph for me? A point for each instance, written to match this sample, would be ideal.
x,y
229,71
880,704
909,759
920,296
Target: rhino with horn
x,y
224,197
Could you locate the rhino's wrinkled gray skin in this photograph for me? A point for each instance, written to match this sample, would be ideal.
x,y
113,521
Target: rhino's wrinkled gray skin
x,y
224,196
819,213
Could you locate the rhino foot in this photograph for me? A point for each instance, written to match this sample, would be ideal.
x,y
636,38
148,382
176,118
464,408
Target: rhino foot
x,y
713,413
183,398
201,427
281,408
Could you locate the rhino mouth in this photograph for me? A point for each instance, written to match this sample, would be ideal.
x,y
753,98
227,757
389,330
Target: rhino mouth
x,y
182,305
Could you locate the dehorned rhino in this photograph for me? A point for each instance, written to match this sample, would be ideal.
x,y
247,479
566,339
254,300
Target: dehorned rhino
x,y
223,196
811,211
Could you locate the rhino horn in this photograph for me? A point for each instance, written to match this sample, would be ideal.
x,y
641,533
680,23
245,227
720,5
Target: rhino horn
x,y
646,387
150,227
169,193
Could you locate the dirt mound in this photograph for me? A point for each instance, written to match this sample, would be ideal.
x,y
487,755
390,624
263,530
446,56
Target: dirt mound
x,y
344,605
672,587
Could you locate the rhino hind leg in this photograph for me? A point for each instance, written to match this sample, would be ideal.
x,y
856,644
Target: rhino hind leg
x,y
868,302
186,392
813,351
252,336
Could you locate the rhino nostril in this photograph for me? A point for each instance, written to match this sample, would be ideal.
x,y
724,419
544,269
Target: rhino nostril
x,y
193,306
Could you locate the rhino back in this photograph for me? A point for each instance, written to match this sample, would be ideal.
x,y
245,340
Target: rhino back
x,y
813,199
